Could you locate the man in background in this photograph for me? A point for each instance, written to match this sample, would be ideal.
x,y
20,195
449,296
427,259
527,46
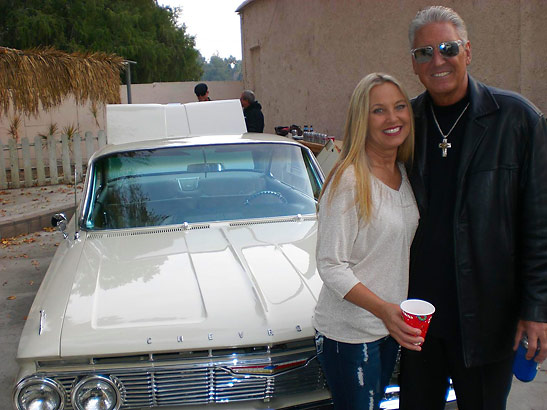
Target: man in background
x,y
252,111
202,92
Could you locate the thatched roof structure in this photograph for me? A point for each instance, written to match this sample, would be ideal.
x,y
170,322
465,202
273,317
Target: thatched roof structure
x,y
42,78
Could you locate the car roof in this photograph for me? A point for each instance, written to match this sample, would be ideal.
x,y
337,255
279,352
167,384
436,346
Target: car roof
x,y
186,141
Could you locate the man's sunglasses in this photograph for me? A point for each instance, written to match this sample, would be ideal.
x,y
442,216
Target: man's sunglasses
x,y
446,49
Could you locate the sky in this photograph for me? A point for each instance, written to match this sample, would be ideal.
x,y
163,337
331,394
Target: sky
x,y
214,23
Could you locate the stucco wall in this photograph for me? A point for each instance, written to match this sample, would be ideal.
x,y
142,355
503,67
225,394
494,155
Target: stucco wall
x,y
181,92
82,118
303,58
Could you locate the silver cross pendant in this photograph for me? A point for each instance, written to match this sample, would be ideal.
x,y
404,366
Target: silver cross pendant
x,y
444,147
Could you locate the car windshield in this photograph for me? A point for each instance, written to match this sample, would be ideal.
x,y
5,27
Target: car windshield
x,y
201,184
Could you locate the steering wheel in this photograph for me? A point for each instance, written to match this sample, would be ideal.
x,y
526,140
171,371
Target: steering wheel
x,y
261,193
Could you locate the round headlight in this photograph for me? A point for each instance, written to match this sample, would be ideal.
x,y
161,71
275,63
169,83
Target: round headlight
x,y
37,393
96,393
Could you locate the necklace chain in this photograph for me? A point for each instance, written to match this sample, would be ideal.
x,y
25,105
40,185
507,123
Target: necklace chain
x,y
445,144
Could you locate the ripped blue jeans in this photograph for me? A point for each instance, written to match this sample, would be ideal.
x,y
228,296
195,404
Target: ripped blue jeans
x,y
357,374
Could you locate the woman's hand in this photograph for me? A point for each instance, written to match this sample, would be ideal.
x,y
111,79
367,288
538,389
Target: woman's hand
x,y
389,313
407,336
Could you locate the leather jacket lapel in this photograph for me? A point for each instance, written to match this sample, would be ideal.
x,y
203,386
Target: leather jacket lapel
x,y
482,104
417,172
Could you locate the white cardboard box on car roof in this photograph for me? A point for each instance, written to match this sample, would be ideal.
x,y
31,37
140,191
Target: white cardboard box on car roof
x,y
140,122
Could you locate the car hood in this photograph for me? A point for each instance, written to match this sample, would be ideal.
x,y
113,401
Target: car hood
x,y
217,286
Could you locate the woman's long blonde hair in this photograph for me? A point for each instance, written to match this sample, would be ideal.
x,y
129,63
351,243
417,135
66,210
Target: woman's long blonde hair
x,y
355,138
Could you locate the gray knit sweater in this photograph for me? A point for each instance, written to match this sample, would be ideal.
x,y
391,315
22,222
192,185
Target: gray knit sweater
x,y
374,253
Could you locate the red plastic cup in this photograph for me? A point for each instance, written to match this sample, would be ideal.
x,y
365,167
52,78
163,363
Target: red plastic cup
x,y
417,313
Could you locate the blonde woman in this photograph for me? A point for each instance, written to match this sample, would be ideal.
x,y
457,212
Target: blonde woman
x,y
367,219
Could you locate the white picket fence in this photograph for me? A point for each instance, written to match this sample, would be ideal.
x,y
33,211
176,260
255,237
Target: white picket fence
x,y
47,161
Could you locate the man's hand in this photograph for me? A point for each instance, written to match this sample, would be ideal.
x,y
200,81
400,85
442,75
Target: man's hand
x,y
537,337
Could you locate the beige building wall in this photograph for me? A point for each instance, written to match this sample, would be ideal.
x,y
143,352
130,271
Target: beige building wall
x,y
181,92
303,58
83,118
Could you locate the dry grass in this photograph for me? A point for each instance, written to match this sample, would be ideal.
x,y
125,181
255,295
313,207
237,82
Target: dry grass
x,y
42,78
95,112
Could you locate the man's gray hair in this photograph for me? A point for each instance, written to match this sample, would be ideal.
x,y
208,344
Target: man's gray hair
x,y
249,96
436,14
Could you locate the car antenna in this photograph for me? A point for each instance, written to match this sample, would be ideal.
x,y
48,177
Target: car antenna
x,y
76,231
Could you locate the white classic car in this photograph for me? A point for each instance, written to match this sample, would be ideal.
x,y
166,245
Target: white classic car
x,y
187,276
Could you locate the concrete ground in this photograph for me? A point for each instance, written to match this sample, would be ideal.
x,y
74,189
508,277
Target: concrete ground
x,y
24,260
26,210
23,263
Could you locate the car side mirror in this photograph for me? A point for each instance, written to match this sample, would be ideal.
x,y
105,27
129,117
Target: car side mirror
x,y
59,221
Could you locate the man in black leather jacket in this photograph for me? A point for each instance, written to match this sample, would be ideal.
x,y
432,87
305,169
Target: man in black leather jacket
x,y
480,252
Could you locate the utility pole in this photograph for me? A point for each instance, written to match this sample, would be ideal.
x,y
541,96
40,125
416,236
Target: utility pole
x,y
128,78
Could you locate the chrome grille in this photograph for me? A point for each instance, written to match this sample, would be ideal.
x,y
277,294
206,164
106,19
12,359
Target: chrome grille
x,y
202,381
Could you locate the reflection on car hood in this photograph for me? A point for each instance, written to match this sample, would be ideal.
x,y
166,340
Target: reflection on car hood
x,y
220,286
